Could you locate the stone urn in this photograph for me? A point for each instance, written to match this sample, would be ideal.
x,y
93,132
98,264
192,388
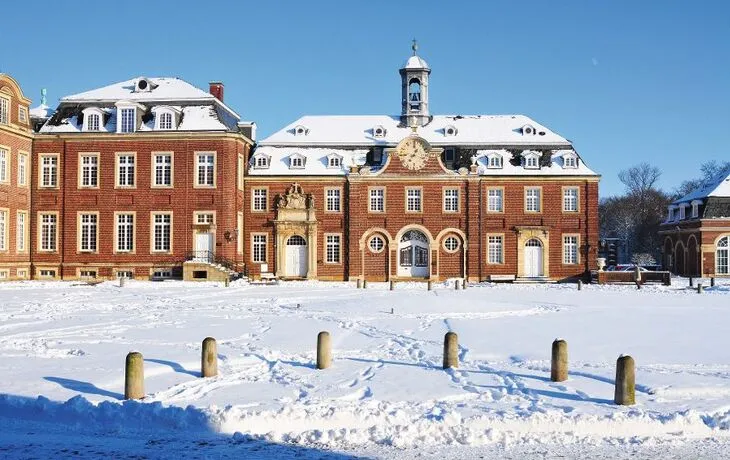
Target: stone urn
x,y
601,261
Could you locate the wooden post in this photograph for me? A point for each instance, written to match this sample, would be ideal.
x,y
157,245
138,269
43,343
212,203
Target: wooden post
x,y
209,359
580,285
429,285
359,283
134,376
451,350
700,288
364,284
392,285
463,283
625,392
559,361
324,350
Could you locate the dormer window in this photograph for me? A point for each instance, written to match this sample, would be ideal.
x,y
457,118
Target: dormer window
x,y
334,161
165,120
261,161
93,119
494,161
682,211
300,130
297,161
450,131
670,214
379,131
127,120
528,130
449,156
166,117
532,161
143,85
570,161
696,209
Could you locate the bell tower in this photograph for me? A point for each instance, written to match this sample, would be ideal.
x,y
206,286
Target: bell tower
x,y
414,90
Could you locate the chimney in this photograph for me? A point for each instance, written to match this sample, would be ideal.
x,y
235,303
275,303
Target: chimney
x,y
216,89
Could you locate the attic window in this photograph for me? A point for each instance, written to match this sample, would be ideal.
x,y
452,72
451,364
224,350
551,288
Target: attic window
x,y
296,162
670,213
143,85
450,131
300,130
93,119
261,162
334,161
532,161
528,130
696,209
494,161
570,161
379,131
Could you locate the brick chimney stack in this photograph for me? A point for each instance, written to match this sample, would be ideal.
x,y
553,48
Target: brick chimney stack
x,y
216,89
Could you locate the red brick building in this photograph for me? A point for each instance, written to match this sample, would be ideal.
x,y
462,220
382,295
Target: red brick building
x,y
15,165
419,196
140,178
697,231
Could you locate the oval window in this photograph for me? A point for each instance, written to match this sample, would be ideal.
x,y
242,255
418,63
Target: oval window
x,y
451,244
376,244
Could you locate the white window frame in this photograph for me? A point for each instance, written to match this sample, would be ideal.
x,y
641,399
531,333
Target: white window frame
x,y
414,200
571,246
682,211
205,171
297,161
48,231
261,161
695,209
378,247
259,247
451,200
533,200
260,199
571,199
48,170
570,161
22,228
4,228
125,172
495,249
88,231
333,199
333,248
449,241
123,121
88,171
334,161
124,231
494,161
4,164
376,200
162,167
532,161
166,121
99,117
22,115
23,169
4,110
722,255
670,213
495,200
161,242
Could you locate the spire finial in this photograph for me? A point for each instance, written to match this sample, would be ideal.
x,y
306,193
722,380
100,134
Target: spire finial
x,y
414,46
43,96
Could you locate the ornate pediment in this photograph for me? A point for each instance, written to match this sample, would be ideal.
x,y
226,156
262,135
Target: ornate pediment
x,y
295,199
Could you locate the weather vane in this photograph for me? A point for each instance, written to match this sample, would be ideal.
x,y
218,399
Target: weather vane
x,y
43,96
414,46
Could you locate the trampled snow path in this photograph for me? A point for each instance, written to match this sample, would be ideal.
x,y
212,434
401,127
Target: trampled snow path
x,y
385,390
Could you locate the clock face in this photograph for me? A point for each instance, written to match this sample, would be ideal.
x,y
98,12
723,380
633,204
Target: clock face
x,y
412,153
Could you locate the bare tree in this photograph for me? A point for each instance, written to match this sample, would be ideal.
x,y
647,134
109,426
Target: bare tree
x,y
640,179
710,170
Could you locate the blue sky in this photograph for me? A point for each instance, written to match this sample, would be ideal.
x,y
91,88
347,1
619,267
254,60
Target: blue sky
x,y
626,81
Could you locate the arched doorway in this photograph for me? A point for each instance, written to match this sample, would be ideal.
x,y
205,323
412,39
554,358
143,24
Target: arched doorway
x,y
413,255
533,258
692,258
679,268
722,256
296,257
668,255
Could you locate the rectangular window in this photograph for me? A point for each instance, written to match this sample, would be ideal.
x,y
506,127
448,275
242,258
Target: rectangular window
x,y
570,199
451,200
494,200
22,115
89,170
205,169
125,232
3,230
241,169
259,248
204,218
570,250
48,232
333,199
239,233
22,169
87,274
49,171
162,169
532,199
125,170
161,232
413,200
682,212
92,122
127,120
695,210
377,200
4,159
161,273
128,274
4,111
20,231
47,273
88,232
259,199
333,249
495,249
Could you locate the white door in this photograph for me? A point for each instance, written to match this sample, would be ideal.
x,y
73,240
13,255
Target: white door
x,y
296,256
533,258
413,255
204,247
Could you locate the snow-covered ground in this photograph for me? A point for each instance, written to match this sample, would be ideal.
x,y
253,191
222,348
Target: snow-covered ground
x,y
62,350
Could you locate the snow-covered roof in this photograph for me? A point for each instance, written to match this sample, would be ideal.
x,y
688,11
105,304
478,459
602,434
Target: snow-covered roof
x,y
555,168
416,62
719,187
41,111
357,130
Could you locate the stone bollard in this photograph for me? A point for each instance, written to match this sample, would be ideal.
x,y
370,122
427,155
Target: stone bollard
x,y
392,310
700,288
134,376
324,350
457,285
463,283
580,285
429,285
122,280
559,361
712,282
364,284
451,350
227,282
691,282
209,358
392,285
625,392
359,283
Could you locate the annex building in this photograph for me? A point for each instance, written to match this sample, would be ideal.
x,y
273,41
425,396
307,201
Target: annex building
x,y
419,196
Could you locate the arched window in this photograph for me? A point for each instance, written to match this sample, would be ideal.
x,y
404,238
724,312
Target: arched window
x,y
722,256
414,95
165,120
92,123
